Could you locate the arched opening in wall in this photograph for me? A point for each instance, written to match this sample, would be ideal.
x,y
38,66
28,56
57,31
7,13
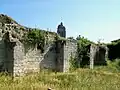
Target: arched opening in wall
x,y
40,47
113,52
102,56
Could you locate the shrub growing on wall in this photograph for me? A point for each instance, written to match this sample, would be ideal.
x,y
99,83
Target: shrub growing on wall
x,y
73,62
83,50
35,37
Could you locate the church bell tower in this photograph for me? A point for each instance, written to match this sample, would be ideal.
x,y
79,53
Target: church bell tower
x,y
61,30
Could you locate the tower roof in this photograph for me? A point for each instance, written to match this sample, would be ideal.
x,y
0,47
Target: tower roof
x,y
61,25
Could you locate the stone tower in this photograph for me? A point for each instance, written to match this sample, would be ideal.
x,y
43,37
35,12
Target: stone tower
x,y
61,30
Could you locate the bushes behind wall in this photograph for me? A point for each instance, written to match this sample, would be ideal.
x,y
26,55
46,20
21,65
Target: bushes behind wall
x,y
114,49
83,46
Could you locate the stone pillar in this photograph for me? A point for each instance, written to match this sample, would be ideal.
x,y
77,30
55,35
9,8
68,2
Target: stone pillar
x,y
60,55
70,48
98,55
18,55
9,51
64,51
3,54
92,55
9,64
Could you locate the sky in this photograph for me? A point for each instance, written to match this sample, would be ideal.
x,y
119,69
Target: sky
x,y
93,19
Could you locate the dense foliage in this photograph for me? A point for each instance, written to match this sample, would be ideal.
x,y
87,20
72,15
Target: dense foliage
x,y
35,37
83,50
114,48
83,45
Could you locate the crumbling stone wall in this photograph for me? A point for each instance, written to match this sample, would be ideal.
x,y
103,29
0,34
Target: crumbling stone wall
x,y
98,55
33,60
48,60
70,49
19,58
56,57
64,51
60,55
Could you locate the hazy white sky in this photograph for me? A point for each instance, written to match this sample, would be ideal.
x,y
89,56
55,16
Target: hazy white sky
x,y
93,19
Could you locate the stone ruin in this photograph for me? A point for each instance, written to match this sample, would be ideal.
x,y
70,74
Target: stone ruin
x,y
15,60
98,55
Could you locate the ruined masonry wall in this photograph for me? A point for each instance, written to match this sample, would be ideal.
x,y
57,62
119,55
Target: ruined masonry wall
x,y
98,55
20,59
69,49
33,60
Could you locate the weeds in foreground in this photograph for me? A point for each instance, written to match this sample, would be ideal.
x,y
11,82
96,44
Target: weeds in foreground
x,y
112,66
80,79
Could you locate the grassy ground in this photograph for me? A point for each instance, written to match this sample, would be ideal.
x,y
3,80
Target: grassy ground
x,y
81,79
101,78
